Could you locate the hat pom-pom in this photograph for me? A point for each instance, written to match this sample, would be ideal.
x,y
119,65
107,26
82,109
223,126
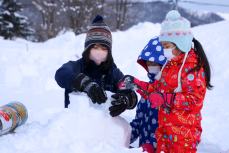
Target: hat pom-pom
x,y
173,15
98,19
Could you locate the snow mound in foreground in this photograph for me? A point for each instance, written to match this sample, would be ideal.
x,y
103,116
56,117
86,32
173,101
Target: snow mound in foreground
x,y
84,127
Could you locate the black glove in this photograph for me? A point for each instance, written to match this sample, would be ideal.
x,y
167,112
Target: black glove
x,y
93,90
123,99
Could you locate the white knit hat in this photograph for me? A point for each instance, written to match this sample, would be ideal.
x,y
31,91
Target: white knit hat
x,y
176,29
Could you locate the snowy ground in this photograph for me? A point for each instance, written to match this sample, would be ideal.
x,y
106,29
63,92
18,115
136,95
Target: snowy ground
x,y
27,75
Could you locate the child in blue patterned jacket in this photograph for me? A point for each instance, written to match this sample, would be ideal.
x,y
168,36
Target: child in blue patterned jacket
x,y
146,120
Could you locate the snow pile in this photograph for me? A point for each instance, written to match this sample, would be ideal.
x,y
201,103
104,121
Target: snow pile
x,y
83,128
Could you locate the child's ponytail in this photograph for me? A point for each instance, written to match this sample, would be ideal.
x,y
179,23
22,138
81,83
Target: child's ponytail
x,y
202,61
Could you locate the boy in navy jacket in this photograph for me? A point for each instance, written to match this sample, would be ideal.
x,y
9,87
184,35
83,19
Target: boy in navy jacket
x,y
96,71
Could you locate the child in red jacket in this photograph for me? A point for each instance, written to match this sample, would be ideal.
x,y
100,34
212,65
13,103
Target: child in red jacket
x,y
180,89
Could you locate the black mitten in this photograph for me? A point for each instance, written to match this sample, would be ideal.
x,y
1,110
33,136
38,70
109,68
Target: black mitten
x,y
123,99
93,90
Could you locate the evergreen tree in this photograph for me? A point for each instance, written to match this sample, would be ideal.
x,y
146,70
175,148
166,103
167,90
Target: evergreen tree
x,y
13,24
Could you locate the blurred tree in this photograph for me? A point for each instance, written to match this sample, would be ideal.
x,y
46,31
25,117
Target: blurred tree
x,y
58,15
80,12
13,24
120,12
48,10
176,4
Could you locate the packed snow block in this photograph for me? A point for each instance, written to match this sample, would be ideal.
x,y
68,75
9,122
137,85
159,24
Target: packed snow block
x,y
94,122
12,115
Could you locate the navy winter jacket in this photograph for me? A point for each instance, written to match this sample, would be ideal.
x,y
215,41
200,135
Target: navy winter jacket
x,y
66,74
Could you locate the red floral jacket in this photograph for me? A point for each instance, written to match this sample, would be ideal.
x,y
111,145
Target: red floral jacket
x,y
184,117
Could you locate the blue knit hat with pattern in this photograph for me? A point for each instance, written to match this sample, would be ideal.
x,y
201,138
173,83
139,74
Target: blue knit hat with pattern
x,y
176,29
152,52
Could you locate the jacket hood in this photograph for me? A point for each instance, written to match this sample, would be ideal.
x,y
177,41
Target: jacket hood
x,y
152,52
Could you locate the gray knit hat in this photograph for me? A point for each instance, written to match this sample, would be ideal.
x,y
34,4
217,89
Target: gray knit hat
x,y
99,33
